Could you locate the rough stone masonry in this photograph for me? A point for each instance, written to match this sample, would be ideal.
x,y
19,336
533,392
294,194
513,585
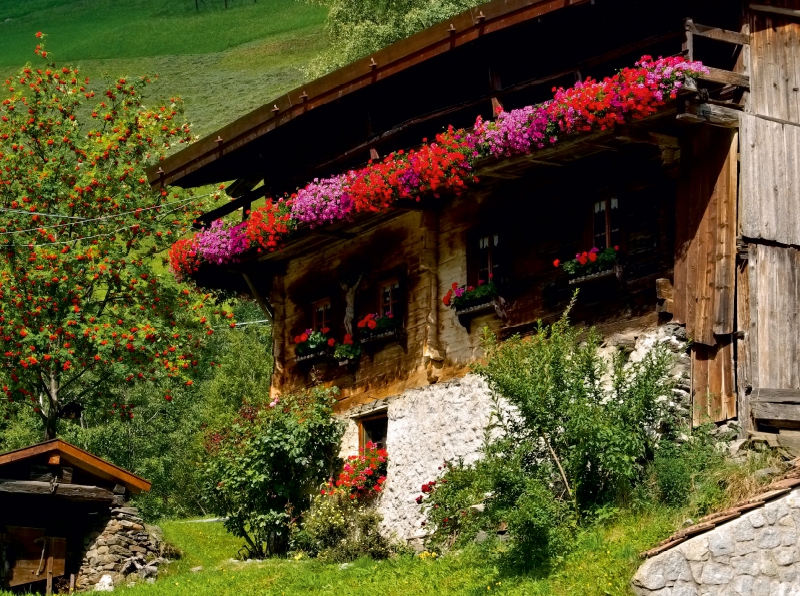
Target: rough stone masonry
x,y
754,555
121,549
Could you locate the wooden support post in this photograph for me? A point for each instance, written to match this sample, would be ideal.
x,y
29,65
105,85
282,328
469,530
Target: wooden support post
x,y
495,87
49,585
265,307
688,40
71,583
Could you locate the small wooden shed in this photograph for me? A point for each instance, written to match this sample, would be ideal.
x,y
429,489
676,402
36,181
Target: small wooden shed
x,y
51,496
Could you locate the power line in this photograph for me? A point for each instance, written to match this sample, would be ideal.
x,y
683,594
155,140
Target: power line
x,y
85,221
76,240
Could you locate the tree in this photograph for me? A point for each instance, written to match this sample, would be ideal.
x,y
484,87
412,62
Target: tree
x,y
81,310
263,469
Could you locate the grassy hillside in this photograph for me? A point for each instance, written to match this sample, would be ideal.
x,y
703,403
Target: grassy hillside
x,y
222,62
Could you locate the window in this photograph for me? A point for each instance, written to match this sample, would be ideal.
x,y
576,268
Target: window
x,y
322,314
389,297
606,228
488,258
373,430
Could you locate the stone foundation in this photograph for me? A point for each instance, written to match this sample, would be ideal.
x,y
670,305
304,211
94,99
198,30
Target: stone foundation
x,y
121,549
757,554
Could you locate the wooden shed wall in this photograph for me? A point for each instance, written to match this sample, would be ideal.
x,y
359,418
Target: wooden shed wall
x,y
768,297
705,267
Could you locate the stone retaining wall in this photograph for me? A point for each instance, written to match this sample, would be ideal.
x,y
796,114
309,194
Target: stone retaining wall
x,y
756,554
121,549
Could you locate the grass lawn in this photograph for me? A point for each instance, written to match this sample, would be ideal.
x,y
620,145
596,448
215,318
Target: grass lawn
x,y
223,63
602,564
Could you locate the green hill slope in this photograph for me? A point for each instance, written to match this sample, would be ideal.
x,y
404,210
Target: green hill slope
x,y
223,62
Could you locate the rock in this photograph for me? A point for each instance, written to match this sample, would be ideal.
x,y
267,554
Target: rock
x,y
716,574
106,584
197,569
721,543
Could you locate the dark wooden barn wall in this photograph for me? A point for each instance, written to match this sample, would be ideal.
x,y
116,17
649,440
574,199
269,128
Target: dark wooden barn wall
x,y
705,262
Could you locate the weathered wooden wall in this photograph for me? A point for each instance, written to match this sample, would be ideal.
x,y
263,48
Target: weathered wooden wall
x,y
705,262
539,218
768,297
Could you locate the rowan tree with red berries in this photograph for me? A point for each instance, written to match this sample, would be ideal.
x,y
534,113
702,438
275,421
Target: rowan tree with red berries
x,y
81,310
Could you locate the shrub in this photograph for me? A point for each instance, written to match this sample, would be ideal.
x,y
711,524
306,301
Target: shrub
x,y
338,529
448,503
263,469
576,440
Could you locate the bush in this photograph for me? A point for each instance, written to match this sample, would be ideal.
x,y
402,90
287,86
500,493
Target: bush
x,y
263,469
339,529
576,440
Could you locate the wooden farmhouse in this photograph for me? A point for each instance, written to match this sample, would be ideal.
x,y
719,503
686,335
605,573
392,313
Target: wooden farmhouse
x,y
52,497
702,200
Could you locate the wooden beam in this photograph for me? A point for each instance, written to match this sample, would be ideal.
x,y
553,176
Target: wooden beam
x,y
775,396
726,77
776,412
71,492
265,306
242,202
706,113
789,12
733,37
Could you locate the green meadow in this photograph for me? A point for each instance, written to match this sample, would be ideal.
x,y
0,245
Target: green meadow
x,y
222,62
602,564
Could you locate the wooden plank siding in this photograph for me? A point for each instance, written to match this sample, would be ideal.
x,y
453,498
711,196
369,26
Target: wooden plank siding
x,y
770,180
705,266
539,217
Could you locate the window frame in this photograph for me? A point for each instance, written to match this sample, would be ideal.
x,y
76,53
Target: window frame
x,y
362,438
398,288
314,310
608,232
497,254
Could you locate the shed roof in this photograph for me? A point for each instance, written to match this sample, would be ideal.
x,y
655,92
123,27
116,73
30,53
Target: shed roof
x,y
81,459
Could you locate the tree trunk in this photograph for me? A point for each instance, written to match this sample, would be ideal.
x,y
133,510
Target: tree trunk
x,y
51,413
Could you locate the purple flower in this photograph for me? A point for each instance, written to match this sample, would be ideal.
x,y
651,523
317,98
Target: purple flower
x,y
220,244
323,201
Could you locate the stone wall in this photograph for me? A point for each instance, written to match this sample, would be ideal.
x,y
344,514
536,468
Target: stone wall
x,y
754,555
426,426
121,549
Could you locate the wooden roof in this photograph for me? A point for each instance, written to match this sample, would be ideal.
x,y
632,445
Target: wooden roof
x,y
515,50
81,459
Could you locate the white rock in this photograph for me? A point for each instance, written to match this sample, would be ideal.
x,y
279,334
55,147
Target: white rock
x,y
106,584
716,574
721,542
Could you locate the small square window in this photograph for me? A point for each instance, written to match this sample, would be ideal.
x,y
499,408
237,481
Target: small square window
x,y
373,430
389,297
606,226
321,314
488,256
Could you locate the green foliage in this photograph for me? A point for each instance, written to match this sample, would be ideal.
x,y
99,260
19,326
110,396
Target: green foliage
x,y
451,519
577,436
82,312
263,469
572,411
357,28
339,529
163,442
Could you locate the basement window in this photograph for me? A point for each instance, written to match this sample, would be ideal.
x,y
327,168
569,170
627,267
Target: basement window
x,y
373,430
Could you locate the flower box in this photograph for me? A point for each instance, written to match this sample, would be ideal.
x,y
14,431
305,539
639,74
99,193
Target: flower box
x,y
312,356
593,276
390,335
476,309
